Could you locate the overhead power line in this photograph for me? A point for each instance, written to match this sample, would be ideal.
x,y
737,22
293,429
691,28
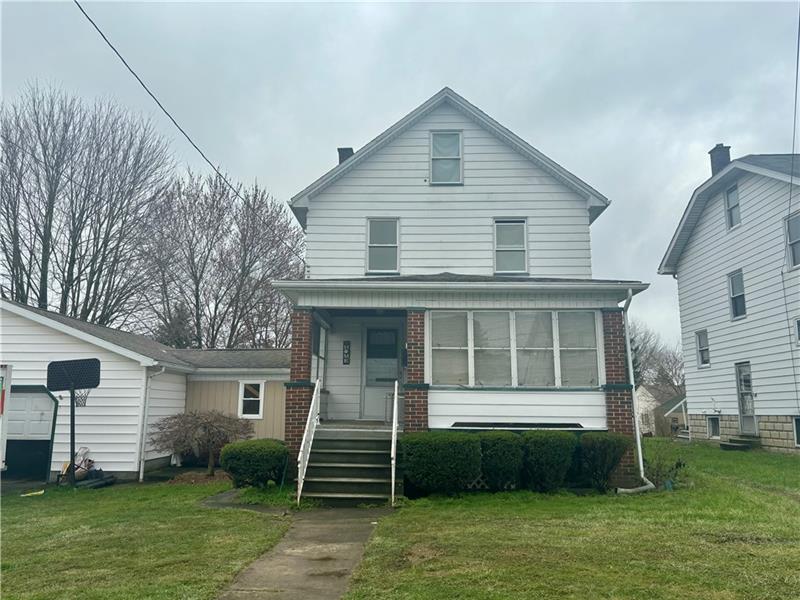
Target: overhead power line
x,y
175,122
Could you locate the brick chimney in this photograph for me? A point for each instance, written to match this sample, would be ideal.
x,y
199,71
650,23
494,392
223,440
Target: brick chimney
x,y
720,158
344,154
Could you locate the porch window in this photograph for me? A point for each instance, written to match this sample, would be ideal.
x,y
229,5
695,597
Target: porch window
x,y
515,349
382,246
577,341
510,246
450,348
492,342
251,399
446,157
535,353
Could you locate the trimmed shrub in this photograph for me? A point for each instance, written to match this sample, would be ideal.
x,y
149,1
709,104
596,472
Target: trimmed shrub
x,y
548,456
601,453
441,461
501,459
255,462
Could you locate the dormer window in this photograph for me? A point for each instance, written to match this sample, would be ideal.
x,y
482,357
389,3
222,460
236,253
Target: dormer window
x,y
382,246
510,246
446,158
732,207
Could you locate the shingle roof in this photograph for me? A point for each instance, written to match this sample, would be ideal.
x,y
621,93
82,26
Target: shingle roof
x,y
140,344
237,359
781,163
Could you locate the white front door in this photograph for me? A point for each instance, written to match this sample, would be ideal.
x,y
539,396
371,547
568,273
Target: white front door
x,y
381,370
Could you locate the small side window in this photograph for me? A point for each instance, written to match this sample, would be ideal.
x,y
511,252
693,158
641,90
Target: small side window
x,y
736,291
732,213
713,428
793,239
703,352
251,399
797,431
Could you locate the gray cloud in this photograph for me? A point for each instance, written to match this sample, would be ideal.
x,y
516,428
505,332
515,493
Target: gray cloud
x,y
627,96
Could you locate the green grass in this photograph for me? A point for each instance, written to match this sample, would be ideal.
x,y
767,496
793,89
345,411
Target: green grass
x,y
128,541
275,497
731,530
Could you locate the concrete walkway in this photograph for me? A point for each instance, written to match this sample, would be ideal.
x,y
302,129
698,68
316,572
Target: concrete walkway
x,y
313,560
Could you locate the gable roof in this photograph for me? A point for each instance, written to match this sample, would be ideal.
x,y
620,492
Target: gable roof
x,y
783,167
149,352
597,201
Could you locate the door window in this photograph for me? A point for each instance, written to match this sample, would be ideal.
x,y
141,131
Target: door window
x,y
381,357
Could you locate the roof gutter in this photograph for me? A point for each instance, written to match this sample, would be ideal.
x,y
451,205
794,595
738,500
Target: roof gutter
x,y
310,284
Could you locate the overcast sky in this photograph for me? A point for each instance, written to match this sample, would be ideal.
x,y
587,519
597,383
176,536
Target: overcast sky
x,y
629,97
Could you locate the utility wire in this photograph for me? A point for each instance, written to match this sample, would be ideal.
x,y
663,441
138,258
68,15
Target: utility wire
x,y
786,257
174,122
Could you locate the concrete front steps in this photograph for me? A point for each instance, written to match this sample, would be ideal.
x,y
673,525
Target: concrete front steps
x,y
741,443
348,467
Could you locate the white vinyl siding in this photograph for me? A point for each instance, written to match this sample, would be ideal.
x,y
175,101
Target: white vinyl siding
x,y
515,349
448,228
758,247
166,397
109,424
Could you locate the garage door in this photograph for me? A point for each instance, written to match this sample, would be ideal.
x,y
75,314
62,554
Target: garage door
x,y
30,416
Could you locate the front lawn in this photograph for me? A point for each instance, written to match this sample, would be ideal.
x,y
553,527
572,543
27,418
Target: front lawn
x,y
731,531
128,541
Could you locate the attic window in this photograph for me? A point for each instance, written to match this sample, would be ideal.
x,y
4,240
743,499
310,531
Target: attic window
x,y
732,207
446,157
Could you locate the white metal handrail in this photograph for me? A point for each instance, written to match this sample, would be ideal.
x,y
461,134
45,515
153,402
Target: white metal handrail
x,y
394,438
308,438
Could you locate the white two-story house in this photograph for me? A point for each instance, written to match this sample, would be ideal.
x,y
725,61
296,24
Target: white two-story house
x,y
451,256
736,258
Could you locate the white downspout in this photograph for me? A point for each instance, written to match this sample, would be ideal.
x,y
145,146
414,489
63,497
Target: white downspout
x,y
648,484
143,432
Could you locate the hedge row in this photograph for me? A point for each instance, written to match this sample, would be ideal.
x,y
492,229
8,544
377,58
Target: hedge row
x,y
449,461
255,462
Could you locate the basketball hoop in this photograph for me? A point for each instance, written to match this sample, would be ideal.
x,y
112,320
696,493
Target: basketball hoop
x,y
81,396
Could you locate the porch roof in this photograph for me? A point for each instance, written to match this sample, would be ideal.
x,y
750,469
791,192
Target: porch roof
x,y
463,283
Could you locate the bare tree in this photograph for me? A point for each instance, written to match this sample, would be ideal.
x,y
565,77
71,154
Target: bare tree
x,y
78,185
216,251
656,363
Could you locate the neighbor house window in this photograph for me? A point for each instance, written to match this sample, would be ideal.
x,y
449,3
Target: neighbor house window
x,y
703,354
793,239
446,157
382,246
515,349
713,428
732,207
797,431
736,291
450,348
797,330
510,246
251,399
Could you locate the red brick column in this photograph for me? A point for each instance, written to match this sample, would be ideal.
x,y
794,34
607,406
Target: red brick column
x,y
416,390
619,397
299,388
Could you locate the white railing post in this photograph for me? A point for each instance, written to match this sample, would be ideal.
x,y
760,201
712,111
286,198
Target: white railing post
x,y
394,439
308,438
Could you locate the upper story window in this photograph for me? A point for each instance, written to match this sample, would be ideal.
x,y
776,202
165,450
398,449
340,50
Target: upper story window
x,y
703,352
382,246
732,207
793,239
510,246
251,399
736,293
446,167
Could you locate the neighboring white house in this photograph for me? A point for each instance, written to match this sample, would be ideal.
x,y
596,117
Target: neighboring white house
x,y
736,257
450,255
646,404
141,382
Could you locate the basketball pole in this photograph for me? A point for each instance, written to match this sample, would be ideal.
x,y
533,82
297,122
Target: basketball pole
x,y
72,435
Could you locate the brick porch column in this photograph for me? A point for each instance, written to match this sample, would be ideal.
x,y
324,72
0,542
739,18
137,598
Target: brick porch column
x,y
619,397
299,388
415,388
